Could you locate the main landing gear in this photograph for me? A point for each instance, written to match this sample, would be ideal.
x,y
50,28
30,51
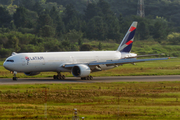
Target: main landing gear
x,y
59,77
14,74
87,78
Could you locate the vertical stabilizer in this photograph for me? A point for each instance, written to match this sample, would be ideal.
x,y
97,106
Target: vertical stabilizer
x,y
127,41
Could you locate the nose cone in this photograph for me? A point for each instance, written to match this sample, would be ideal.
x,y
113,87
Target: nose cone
x,y
5,64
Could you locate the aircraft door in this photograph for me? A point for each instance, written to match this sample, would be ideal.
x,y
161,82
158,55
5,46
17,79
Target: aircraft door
x,y
23,61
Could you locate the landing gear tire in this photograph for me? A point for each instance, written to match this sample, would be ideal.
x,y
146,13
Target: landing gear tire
x,y
83,78
63,77
14,78
91,78
59,77
55,77
87,78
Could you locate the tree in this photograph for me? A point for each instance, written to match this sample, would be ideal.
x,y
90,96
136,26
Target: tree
x,y
160,30
69,14
6,2
28,4
54,13
5,17
52,45
97,28
4,53
47,31
100,46
113,27
15,43
80,42
85,47
91,11
20,17
38,8
44,20
74,35
42,1
143,31
72,19
121,21
12,26
66,45
60,29
104,7
174,38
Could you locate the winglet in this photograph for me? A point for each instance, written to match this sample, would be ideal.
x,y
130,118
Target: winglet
x,y
128,39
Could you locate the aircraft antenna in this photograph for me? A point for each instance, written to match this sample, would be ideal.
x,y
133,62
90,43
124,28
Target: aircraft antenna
x,y
140,11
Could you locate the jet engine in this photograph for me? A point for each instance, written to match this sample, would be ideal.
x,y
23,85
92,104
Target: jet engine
x,y
31,73
81,71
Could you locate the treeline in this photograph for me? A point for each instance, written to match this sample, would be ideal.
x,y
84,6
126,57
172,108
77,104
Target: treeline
x,y
18,42
97,22
40,25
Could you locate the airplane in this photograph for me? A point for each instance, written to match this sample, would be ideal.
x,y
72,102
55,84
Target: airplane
x,y
79,63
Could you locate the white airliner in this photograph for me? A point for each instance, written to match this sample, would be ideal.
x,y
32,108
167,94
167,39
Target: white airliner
x,y
80,64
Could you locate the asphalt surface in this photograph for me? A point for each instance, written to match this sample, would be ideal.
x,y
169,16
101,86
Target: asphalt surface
x,y
96,79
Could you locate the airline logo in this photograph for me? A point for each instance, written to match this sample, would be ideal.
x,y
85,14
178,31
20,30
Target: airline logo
x,y
33,58
27,58
131,36
132,29
127,45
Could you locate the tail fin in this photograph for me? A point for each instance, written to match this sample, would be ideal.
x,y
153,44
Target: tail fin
x,y
127,41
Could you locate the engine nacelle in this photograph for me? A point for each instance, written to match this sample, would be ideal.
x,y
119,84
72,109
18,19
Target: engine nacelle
x,y
32,73
81,71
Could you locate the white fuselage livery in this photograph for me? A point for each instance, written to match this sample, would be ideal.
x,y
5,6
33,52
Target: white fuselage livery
x,y
54,61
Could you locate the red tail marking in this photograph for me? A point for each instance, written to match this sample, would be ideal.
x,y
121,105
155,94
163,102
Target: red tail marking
x,y
132,29
128,43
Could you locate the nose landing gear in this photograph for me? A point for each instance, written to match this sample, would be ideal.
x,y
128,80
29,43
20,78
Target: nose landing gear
x,y
14,74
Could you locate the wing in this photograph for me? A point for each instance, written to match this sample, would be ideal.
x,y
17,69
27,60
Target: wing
x,y
114,62
150,55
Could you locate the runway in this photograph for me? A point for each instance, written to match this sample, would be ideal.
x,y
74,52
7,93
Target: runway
x,y
96,79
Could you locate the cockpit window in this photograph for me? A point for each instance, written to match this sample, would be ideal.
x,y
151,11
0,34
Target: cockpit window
x,y
10,61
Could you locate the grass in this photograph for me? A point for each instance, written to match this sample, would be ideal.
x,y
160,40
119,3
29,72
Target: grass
x,y
95,101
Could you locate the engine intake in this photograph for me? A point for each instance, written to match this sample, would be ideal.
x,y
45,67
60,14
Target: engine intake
x,y
81,71
32,73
